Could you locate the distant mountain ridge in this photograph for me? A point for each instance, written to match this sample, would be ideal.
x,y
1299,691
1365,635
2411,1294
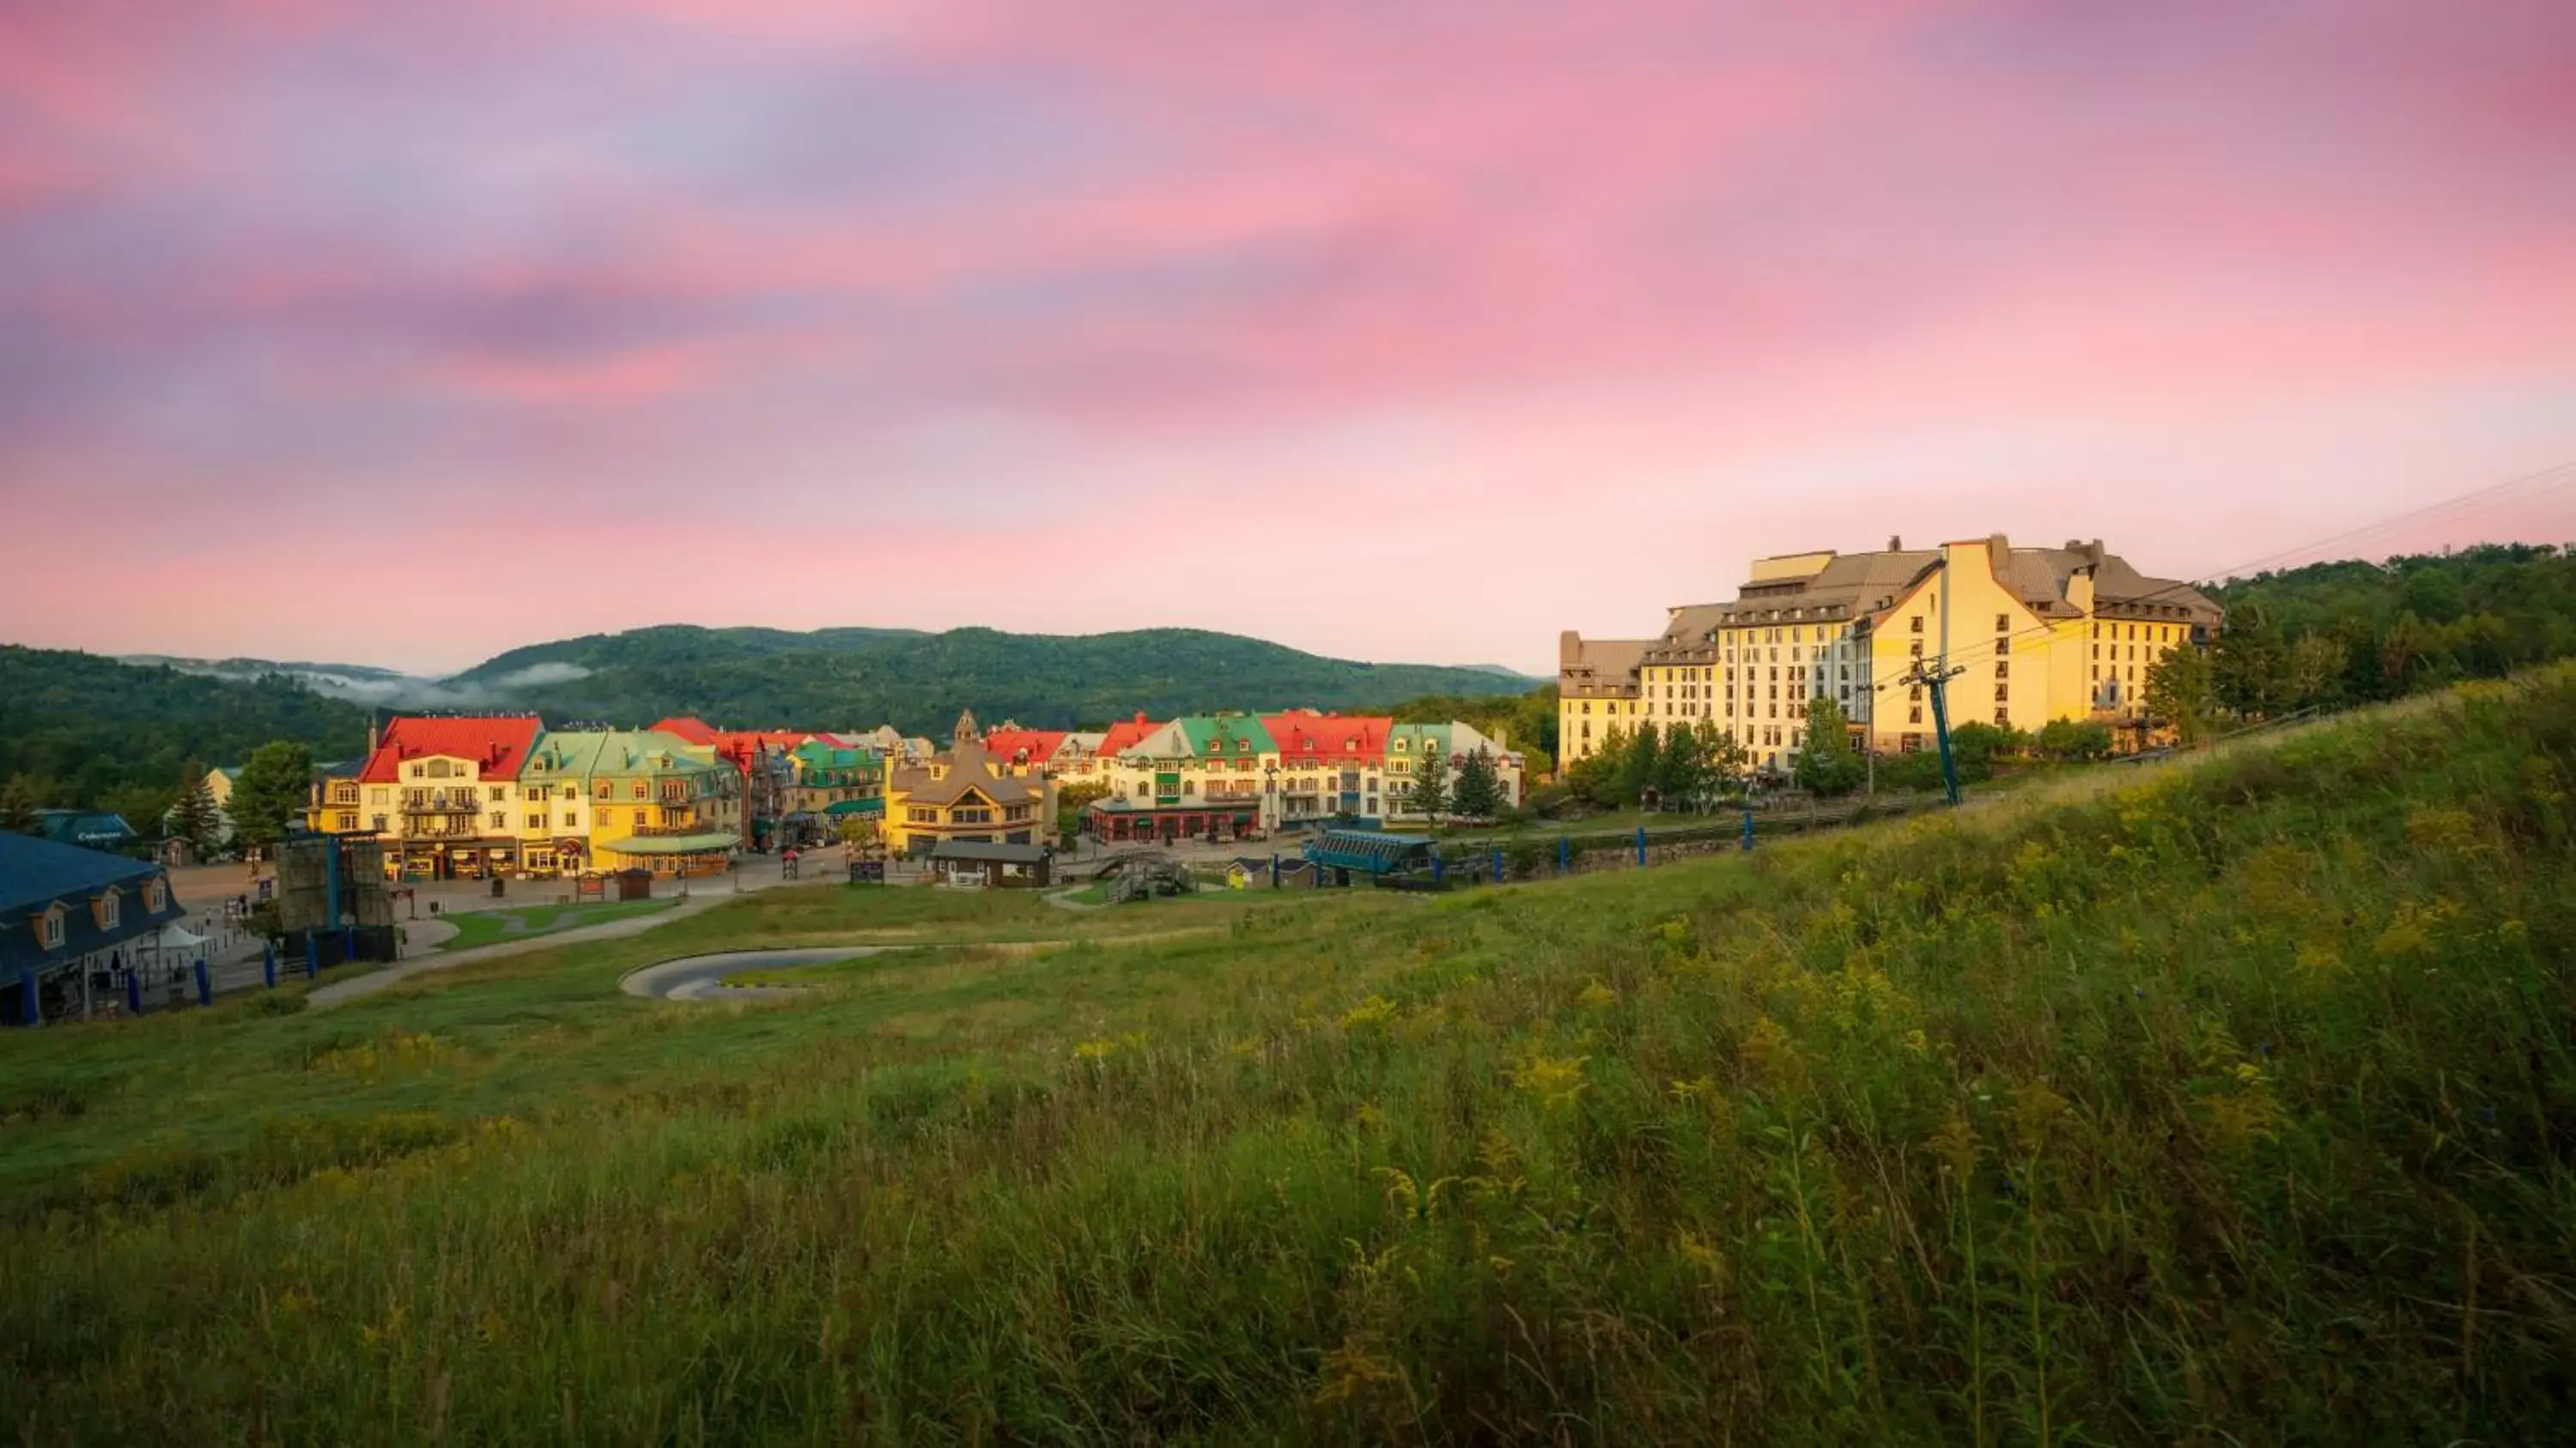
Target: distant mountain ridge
x,y
763,677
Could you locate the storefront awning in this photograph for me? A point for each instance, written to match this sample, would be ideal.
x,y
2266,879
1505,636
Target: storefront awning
x,y
840,807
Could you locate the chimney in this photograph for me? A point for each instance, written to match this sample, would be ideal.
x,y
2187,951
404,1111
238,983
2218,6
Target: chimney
x,y
1895,544
371,734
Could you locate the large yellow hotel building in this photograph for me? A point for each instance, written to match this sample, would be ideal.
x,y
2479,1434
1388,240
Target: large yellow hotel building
x,y
2041,634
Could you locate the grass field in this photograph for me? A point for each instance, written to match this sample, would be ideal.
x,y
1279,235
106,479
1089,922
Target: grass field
x,y
2218,1104
488,927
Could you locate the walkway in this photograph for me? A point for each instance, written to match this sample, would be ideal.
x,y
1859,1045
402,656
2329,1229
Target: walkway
x,y
701,898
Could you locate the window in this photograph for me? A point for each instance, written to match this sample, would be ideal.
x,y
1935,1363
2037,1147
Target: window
x,y
105,907
2003,693
536,822
1914,624
2003,623
500,819
377,823
641,817
635,790
156,894
607,789
1914,715
497,793
572,820
347,820
2003,668
439,769
49,928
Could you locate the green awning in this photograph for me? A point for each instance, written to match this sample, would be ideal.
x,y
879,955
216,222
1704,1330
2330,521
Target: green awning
x,y
840,807
673,844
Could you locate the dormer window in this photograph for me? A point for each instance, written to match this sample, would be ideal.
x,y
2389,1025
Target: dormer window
x,y
156,895
105,909
49,928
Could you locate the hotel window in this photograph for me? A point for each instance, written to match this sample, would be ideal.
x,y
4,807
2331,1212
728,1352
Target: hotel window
x,y
500,820
1915,624
2003,623
2003,693
1916,648
49,928
497,793
641,817
607,789
348,820
2003,668
572,821
536,822
1914,715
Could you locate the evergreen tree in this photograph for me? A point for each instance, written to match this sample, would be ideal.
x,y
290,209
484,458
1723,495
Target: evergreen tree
x,y
192,816
1429,793
1827,762
1478,793
17,809
274,786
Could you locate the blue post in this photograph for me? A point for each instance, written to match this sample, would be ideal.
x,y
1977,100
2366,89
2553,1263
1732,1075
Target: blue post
x,y
31,1012
268,965
331,876
1564,854
1748,829
1641,846
205,984
312,955
1498,865
1439,867
134,992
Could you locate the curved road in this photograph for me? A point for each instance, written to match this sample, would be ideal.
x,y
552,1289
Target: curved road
x,y
701,977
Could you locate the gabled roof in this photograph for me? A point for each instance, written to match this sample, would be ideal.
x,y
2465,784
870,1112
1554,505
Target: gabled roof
x,y
89,829
1227,736
496,743
569,754
1329,738
689,727
1024,746
969,767
1126,734
35,873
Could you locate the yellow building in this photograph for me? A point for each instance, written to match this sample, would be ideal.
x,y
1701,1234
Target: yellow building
x,y
2037,634
967,795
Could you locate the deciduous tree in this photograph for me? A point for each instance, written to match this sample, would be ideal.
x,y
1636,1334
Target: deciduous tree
x,y
274,785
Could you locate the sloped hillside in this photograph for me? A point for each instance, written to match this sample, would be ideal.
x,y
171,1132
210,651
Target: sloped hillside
x,y
2230,1103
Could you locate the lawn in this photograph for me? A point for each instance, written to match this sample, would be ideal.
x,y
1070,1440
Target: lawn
x,y
2211,1103
489,927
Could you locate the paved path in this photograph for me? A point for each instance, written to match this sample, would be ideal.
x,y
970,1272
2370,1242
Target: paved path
x,y
703,895
701,977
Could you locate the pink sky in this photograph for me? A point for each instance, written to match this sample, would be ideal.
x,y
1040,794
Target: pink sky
x,y
1411,331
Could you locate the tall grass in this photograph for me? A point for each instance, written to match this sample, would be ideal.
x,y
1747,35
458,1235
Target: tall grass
x,y
2231,1106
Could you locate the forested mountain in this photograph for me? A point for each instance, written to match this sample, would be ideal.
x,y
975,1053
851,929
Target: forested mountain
x,y
858,677
79,729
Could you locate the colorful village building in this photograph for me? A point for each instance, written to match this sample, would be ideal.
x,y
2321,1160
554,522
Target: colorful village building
x,y
68,917
760,757
440,794
1409,745
660,804
964,794
1204,776
832,782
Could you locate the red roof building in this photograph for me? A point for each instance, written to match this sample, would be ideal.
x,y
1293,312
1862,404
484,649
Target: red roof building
x,y
1305,737
498,745
1024,748
1126,734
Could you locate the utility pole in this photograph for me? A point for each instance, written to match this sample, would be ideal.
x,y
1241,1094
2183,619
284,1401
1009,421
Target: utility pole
x,y
1935,675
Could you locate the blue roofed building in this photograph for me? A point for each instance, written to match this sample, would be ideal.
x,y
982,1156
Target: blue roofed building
x,y
65,912
89,829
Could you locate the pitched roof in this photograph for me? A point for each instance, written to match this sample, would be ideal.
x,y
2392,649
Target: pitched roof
x,y
689,727
34,873
968,767
90,829
1329,738
1030,746
1227,736
498,743
582,753
1126,733
1598,667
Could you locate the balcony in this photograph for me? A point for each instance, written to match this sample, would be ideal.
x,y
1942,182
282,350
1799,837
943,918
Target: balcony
x,y
443,804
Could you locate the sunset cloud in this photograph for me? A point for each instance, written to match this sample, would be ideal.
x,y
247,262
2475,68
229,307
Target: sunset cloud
x,y
1557,311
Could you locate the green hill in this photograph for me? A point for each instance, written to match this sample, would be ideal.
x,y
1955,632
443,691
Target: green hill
x,y
2228,1101
79,729
919,682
